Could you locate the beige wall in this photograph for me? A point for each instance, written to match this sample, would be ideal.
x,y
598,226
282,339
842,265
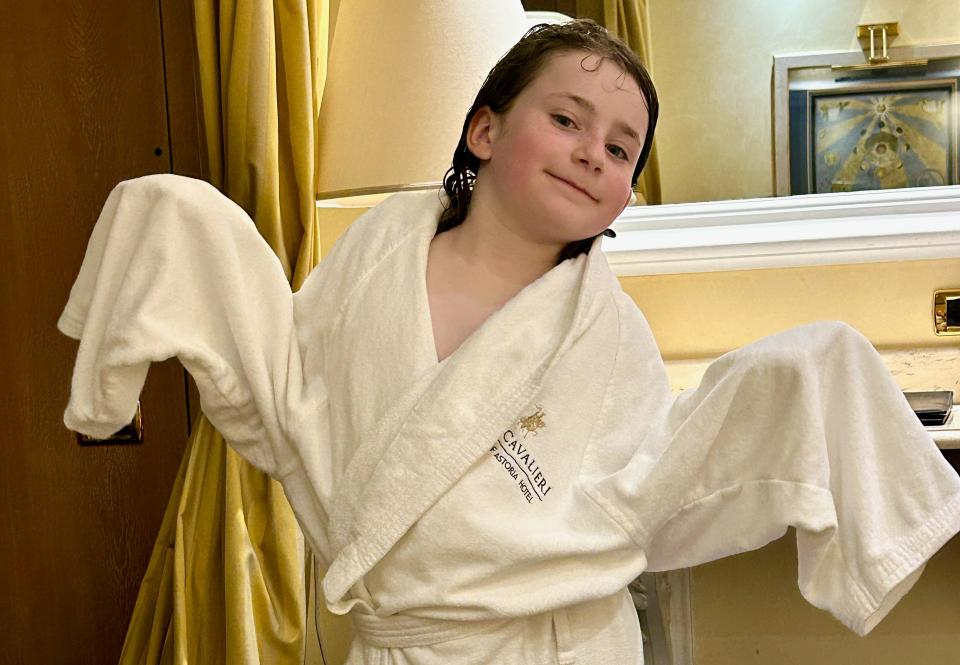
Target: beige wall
x,y
712,63
702,315
747,609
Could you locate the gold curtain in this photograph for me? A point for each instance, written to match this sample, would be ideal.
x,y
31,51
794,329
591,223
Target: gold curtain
x,y
629,20
226,583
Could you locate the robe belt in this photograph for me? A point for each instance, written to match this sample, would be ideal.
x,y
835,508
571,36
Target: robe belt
x,y
399,631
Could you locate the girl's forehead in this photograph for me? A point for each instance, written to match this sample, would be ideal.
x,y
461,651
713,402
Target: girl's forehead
x,y
583,69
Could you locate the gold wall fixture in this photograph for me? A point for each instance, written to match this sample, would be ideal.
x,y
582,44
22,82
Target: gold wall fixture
x,y
946,312
885,31
879,35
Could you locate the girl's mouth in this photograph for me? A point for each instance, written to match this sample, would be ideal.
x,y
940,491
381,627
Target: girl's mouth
x,y
573,186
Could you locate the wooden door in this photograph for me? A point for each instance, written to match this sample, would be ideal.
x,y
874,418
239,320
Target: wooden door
x,y
88,100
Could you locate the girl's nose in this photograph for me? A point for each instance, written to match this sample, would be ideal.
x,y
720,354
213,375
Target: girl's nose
x,y
589,152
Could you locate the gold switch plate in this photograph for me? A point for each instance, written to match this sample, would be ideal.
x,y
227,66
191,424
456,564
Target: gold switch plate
x,y
946,312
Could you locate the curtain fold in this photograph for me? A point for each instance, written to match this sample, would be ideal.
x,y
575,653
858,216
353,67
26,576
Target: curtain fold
x,y
226,580
630,21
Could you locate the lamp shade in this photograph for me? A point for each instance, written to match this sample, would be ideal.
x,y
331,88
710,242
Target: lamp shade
x,y
402,75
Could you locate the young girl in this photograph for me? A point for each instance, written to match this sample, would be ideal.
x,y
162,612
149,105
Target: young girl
x,y
548,157
469,416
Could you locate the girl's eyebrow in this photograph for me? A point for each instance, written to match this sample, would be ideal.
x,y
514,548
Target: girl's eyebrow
x,y
589,107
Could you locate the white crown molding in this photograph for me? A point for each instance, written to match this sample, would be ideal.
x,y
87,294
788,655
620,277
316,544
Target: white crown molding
x,y
813,229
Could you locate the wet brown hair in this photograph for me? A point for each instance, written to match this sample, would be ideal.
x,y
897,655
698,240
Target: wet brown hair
x,y
511,75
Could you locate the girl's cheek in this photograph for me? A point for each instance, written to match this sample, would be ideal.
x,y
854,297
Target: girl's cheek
x,y
518,163
623,192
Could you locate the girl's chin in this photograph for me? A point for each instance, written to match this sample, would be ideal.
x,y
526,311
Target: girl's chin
x,y
577,237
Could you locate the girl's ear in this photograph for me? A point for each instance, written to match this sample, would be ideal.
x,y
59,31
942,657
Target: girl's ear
x,y
481,133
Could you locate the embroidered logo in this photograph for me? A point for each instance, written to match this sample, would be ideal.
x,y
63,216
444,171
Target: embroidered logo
x,y
530,424
518,460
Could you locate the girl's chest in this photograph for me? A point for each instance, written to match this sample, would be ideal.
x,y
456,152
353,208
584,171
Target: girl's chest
x,y
459,302
454,318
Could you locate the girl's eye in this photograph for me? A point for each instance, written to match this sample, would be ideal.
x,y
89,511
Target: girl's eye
x,y
618,152
563,120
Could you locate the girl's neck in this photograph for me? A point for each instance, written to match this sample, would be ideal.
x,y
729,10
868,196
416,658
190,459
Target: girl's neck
x,y
483,251
484,244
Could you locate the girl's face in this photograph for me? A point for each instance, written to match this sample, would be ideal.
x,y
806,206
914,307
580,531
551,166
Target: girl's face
x,y
558,165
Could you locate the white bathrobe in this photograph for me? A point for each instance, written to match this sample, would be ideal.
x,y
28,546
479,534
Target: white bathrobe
x,y
492,508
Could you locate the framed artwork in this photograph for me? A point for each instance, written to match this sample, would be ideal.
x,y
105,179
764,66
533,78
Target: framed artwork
x,y
875,135
840,126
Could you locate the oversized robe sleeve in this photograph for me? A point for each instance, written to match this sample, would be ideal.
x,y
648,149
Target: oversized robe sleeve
x,y
805,428
174,268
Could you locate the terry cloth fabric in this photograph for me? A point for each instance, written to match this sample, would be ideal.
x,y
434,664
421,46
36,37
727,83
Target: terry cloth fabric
x,y
494,506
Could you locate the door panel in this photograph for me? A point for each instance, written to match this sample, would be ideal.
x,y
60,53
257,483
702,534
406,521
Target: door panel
x,y
84,107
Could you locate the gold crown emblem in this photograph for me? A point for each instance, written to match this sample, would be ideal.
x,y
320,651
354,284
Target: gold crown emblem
x,y
530,424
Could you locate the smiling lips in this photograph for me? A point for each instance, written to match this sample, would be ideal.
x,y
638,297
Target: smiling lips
x,y
574,186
